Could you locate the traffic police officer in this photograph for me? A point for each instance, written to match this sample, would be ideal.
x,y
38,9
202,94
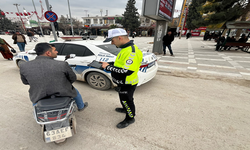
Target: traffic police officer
x,y
124,72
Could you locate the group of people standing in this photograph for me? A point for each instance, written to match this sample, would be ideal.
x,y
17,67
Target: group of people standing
x,y
124,72
221,40
18,39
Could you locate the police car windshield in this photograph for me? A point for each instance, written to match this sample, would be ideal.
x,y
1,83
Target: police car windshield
x,y
110,48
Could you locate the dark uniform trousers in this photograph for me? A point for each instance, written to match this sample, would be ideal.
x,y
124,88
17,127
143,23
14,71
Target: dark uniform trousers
x,y
126,98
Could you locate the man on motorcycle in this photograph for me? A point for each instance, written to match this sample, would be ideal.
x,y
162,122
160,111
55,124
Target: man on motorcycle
x,y
48,77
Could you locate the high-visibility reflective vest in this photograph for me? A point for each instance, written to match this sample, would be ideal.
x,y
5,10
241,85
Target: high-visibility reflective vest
x,y
130,58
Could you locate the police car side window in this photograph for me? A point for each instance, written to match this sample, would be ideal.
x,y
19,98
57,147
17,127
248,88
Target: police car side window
x,y
73,49
88,52
79,50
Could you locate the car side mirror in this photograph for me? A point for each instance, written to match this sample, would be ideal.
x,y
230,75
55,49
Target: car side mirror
x,y
70,56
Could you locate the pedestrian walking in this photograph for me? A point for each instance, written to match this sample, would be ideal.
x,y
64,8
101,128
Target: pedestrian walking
x,y
5,50
178,34
133,34
31,34
105,34
167,40
124,72
206,36
19,39
188,35
40,34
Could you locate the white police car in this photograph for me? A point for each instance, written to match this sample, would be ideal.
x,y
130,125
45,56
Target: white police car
x,y
86,52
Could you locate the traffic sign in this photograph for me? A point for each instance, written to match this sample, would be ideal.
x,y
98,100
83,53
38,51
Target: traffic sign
x,y
50,16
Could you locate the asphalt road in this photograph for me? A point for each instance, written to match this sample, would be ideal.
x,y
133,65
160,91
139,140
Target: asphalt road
x,y
174,112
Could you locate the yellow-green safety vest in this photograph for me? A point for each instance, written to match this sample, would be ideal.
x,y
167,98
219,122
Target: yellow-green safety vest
x,y
130,58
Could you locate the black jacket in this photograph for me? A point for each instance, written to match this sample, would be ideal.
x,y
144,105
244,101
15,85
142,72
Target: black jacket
x,y
167,39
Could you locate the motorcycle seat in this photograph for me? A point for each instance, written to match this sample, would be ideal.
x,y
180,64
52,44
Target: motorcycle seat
x,y
53,103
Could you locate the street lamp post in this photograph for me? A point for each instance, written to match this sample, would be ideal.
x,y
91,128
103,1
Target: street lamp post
x,y
70,19
20,17
38,18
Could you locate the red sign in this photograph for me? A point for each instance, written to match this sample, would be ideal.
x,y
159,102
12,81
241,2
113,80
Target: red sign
x,y
166,9
50,16
201,28
195,33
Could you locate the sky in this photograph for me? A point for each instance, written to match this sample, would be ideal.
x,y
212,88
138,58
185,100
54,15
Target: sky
x,y
79,8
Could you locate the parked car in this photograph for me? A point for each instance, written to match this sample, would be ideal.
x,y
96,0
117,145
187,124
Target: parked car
x,y
86,52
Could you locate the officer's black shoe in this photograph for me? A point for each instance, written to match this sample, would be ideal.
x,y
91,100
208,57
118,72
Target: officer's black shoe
x,y
120,110
125,123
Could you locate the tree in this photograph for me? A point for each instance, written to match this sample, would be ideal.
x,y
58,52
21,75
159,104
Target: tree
x,y
193,15
64,24
113,26
118,20
130,20
219,11
77,24
5,23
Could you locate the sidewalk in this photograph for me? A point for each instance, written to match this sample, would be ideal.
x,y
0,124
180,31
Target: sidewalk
x,y
192,56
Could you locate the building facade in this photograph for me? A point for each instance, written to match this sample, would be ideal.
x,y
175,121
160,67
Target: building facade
x,y
99,24
101,20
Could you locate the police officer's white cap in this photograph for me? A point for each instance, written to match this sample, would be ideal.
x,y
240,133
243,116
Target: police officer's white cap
x,y
114,33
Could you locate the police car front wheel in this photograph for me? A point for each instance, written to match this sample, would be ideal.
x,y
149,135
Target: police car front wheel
x,y
98,81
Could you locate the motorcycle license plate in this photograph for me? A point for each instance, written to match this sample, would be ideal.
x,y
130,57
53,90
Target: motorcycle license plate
x,y
58,134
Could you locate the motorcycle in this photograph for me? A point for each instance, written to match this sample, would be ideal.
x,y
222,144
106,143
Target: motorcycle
x,y
56,117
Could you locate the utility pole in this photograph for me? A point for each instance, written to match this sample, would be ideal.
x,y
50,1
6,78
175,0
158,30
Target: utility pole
x,y
51,23
38,19
20,16
71,20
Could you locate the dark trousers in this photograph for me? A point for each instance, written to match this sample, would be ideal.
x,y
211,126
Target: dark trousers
x,y
169,48
127,101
